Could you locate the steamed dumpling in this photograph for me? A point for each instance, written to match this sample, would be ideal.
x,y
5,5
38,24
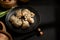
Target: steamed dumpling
x,y
25,12
18,13
12,18
17,22
25,24
31,20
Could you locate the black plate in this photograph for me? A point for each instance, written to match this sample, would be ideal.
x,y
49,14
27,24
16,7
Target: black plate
x,y
19,30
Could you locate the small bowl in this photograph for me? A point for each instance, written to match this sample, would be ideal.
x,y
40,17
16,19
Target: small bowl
x,y
3,31
20,30
8,3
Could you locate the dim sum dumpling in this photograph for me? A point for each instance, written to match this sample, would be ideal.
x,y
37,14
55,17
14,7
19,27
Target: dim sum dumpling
x,y
12,18
25,12
17,22
31,20
25,24
18,13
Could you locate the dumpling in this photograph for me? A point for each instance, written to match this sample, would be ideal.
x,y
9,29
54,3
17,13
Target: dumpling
x,y
27,16
25,24
18,13
15,21
12,18
31,20
28,13
25,12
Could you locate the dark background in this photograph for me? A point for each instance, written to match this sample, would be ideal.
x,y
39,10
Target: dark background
x,y
48,10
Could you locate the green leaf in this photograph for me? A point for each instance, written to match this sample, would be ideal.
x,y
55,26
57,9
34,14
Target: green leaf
x,y
3,13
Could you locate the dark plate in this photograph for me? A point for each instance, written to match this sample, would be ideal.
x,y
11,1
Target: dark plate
x,y
20,30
